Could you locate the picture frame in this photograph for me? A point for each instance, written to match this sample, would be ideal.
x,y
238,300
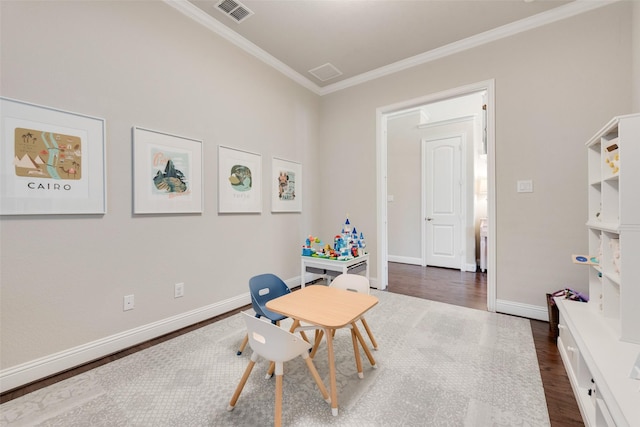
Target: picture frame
x,y
239,181
52,161
167,173
286,186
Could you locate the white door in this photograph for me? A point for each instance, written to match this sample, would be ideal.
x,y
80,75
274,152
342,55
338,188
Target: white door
x,y
443,201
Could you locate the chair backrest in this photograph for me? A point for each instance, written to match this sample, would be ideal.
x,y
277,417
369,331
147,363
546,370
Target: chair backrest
x,y
351,282
263,288
272,342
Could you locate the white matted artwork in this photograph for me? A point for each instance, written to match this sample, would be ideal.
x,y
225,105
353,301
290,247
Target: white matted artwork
x,y
167,174
286,181
52,161
239,181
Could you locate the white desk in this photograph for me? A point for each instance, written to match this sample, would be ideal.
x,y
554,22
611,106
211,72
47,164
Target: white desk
x,y
332,265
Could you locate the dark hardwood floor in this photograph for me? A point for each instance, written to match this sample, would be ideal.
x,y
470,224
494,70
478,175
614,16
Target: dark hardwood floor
x,y
470,290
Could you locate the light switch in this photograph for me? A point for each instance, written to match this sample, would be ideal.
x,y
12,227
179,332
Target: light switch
x,y
390,198
525,186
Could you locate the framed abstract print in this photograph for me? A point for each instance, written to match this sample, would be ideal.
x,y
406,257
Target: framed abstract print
x,y
239,181
167,173
286,186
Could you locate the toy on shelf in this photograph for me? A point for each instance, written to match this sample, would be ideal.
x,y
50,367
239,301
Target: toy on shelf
x,y
613,158
570,294
347,245
361,245
585,259
307,248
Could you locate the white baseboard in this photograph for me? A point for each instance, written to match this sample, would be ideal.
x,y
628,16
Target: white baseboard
x,y
34,370
523,310
404,260
471,268
308,277
418,261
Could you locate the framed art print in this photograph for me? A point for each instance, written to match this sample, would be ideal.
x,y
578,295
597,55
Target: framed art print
x,y
51,161
286,185
239,181
167,173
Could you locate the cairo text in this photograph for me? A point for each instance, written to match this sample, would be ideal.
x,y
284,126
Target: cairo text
x,y
49,186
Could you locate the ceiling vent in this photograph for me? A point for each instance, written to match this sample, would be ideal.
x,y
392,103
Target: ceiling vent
x,y
325,72
234,10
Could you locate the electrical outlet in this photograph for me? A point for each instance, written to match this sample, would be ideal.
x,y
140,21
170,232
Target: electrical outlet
x,y
525,186
179,290
129,303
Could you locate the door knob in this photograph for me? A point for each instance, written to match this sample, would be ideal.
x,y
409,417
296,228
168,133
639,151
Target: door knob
x,y
429,219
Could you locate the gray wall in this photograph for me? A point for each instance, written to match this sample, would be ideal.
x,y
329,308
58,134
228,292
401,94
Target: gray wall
x,y
555,87
144,64
404,184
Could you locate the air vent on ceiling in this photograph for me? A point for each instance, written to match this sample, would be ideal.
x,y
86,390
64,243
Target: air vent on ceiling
x,y
234,10
325,72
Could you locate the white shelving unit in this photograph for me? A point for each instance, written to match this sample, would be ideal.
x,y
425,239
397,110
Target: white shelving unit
x,y
600,341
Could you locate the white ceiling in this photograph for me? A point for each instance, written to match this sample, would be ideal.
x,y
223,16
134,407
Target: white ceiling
x,y
367,39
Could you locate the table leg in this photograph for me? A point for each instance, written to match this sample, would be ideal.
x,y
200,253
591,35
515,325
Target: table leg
x,y
332,372
356,353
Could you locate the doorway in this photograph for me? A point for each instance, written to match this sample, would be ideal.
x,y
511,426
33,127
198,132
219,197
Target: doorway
x,y
384,198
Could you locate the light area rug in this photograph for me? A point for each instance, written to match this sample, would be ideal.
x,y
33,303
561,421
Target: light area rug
x,y
437,365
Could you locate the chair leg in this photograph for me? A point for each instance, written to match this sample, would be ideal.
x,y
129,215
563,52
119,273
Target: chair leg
x,y
373,340
364,345
295,324
278,415
243,381
245,341
318,340
272,367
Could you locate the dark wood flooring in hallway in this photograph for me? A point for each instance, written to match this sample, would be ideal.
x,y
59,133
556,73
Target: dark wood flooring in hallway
x,y
470,290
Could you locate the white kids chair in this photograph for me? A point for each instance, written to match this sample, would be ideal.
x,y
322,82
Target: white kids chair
x,y
356,283
278,346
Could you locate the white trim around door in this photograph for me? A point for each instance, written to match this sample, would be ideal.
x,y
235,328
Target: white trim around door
x,y
382,114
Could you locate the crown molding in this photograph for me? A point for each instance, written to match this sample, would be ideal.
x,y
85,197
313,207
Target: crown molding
x,y
195,13
557,14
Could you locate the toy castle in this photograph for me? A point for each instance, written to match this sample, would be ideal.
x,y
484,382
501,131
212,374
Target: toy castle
x,y
347,244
